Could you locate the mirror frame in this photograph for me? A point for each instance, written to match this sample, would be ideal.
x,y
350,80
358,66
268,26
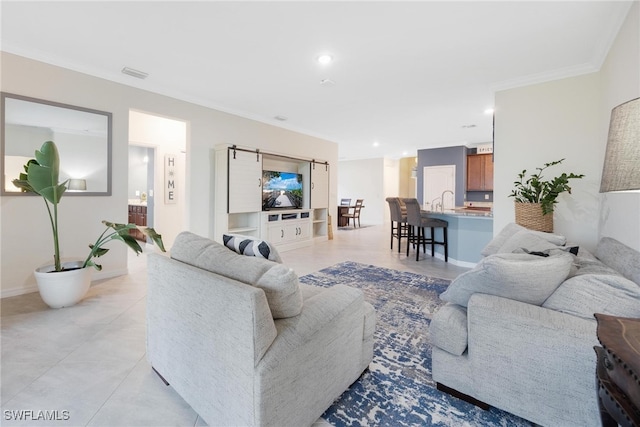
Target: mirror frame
x,y
108,116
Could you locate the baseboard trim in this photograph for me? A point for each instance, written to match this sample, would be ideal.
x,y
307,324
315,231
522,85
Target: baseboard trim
x,y
455,261
97,275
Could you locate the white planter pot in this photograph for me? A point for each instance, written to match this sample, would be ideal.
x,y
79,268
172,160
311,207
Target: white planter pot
x,y
63,288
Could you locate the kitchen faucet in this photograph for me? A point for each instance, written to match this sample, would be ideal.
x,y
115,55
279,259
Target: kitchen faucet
x,y
442,199
434,208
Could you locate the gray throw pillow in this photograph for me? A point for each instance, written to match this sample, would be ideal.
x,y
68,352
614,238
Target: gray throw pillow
x,y
525,241
511,229
251,246
521,277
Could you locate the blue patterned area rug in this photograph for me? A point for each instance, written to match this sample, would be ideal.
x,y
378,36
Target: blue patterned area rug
x,y
398,390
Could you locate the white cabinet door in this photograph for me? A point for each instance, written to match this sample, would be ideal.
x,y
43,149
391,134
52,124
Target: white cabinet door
x,y
276,234
245,181
319,185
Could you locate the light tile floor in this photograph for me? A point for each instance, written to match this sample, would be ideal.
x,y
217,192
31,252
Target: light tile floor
x,y
87,362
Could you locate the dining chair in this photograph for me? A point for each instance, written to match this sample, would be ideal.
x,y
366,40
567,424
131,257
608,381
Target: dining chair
x,y
418,221
399,226
356,213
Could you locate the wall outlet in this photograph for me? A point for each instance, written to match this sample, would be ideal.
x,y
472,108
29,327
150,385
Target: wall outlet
x,y
137,193
486,197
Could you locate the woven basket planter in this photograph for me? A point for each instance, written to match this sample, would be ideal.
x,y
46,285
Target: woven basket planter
x,y
529,215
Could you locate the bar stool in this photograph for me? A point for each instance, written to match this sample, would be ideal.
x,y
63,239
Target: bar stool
x,y
418,221
399,226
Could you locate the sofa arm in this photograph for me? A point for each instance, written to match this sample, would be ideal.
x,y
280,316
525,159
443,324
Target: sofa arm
x,y
318,313
316,355
533,361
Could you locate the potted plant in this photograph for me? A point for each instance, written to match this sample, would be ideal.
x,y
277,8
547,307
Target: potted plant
x,y
536,197
64,284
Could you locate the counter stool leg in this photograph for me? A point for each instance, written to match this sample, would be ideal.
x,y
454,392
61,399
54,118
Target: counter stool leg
x,y
446,245
432,242
392,228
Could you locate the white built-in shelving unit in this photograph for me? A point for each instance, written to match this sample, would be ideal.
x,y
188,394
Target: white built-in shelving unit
x,y
238,198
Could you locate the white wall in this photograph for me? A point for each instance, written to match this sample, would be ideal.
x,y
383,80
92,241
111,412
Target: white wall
x,y
25,240
546,122
363,179
570,118
391,185
620,82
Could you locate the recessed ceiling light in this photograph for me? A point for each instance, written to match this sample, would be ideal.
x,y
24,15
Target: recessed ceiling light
x,y
324,59
376,144
135,73
488,111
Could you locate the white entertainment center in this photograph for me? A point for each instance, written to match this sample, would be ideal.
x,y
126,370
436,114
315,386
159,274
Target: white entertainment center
x,y
238,198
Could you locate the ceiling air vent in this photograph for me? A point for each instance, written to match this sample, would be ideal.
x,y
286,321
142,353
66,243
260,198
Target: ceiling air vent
x,y
135,73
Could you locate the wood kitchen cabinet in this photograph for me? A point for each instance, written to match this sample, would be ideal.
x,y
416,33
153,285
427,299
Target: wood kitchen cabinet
x,y
138,216
480,172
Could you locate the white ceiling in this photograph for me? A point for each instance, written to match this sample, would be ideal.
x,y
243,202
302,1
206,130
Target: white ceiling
x,y
408,75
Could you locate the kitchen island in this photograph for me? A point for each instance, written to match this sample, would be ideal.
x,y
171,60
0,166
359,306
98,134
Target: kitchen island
x,y
469,231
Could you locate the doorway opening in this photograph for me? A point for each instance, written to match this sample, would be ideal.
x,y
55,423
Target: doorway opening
x,y
157,158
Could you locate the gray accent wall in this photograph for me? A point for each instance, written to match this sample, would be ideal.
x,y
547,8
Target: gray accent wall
x,y
443,156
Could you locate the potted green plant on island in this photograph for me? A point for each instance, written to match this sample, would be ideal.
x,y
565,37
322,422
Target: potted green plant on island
x,y
535,197
64,284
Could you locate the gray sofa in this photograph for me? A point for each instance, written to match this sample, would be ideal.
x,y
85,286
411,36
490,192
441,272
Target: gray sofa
x,y
244,343
518,330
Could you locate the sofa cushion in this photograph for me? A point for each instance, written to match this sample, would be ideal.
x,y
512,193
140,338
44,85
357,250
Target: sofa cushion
x,y
522,277
250,246
590,265
620,257
280,286
587,294
448,329
526,241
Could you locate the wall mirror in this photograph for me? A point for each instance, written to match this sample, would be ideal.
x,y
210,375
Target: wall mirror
x,y
82,135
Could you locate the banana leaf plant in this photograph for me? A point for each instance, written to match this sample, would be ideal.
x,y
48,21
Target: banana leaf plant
x,y
41,177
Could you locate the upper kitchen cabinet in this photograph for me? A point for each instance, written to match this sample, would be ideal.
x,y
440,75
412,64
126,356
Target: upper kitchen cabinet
x,y
480,172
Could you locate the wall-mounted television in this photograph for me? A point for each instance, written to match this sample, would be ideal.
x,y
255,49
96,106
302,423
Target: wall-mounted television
x,y
281,190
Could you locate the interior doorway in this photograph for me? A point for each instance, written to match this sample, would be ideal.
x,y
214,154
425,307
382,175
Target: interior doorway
x,y
141,188
157,159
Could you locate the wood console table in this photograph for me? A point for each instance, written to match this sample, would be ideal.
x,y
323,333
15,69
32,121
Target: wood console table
x,y
618,370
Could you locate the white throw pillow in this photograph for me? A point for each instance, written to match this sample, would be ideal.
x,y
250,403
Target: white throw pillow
x,y
521,277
